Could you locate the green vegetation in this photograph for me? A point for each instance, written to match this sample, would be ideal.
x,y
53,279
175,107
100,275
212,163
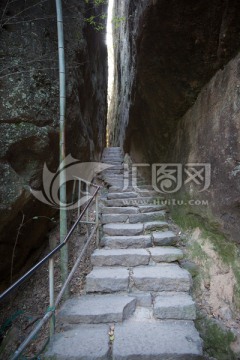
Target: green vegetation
x,y
98,22
216,340
226,250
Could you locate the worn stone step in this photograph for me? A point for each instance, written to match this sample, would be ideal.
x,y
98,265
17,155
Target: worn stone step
x,y
114,218
135,256
131,202
163,277
115,163
125,242
112,177
114,181
112,172
118,169
111,159
107,280
111,182
151,193
96,309
122,195
151,208
81,342
119,229
142,340
131,188
156,225
132,218
146,217
119,210
112,148
166,238
120,257
114,158
165,254
113,153
157,340
178,306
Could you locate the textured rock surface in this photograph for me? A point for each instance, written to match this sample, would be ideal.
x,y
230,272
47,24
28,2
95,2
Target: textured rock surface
x,y
83,342
164,238
124,242
168,53
165,254
123,229
95,309
120,257
153,341
107,279
29,112
174,306
163,277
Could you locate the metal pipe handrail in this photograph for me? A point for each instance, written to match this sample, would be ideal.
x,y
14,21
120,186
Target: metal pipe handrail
x,y
53,252
51,312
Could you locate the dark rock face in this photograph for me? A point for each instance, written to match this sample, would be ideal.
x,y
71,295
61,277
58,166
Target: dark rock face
x,y
168,53
29,112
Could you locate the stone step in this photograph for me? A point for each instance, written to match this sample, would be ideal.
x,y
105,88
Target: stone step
x,y
107,280
156,225
152,340
148,193
112,148
114,182
112,172
163,277
151,208
142,340
114,218
132,218
135,256
166,238
179,306
118,229
120,257
112,177
125,242
96,309
122,195
113,153
119,210
131,202
146,217
115,163
112,158
81,342
131,188
116,167
165,254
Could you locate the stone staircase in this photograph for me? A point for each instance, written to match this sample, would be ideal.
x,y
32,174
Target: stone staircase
x,y
136,286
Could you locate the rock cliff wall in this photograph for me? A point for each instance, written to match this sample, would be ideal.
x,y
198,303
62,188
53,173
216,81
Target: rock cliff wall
x,y
29,113
168,52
